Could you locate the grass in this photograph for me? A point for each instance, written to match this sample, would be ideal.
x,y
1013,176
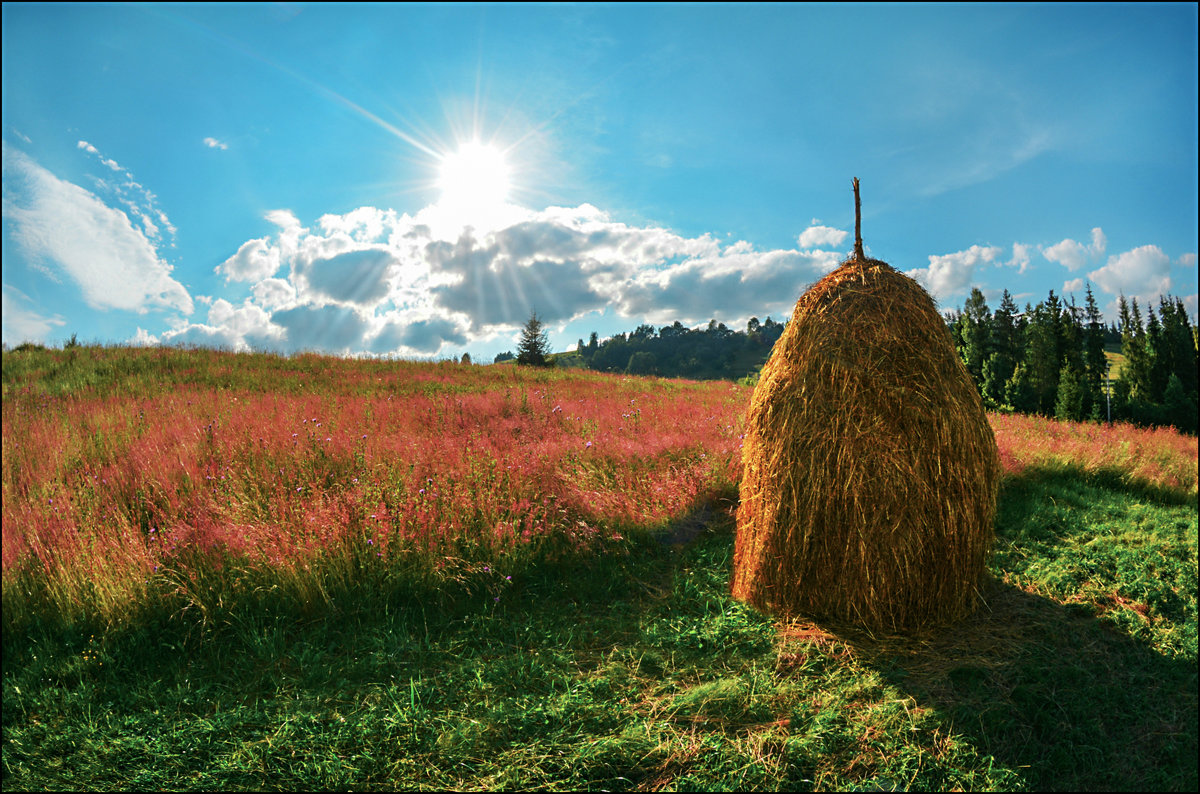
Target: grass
x,y
612,662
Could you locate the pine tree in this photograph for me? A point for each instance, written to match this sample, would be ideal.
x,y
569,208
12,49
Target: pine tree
x,y
535,343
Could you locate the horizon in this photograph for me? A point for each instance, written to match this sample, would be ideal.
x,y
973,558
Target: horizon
x,y
413,181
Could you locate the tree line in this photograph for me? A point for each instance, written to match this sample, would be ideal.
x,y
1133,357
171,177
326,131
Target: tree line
x,y
712,352
1050,359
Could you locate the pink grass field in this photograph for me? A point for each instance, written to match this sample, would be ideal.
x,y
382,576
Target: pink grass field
x,y
103,493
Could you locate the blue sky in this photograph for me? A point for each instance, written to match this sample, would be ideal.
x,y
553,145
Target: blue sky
x,y
414,180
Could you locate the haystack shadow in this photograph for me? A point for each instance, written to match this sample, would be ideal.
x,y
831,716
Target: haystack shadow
x,y
1050,688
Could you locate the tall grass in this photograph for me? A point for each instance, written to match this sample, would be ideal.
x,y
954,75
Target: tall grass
x,y
117,486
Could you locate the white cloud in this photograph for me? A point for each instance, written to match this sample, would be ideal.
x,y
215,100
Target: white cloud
x,y
67,229
134,196
951,274
1073,255
822,237
1188,261
213,143
143,338
1020,258
1144,272
254,261
23,324
1074,285
273,293
372,280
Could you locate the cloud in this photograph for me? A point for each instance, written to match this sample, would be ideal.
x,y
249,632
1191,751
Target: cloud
x,y
1074,285
822,237
359,276
1188,261
143,338
1144,272
330,328
273,293
139,201
951,274
213,143
254,261
1020,258
374,281
21,323
423,336
1073,255
66,229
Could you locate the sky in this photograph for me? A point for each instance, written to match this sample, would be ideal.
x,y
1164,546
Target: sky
x,y
416,180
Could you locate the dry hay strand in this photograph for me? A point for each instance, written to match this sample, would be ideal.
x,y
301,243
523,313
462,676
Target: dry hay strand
x,y
869,468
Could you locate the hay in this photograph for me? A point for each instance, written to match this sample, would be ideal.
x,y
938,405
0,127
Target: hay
x,y
869,467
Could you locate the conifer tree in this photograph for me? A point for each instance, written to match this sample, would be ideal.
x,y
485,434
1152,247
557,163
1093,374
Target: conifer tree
x,y
1133,347
1041,354
1095,362
535,343
1158,358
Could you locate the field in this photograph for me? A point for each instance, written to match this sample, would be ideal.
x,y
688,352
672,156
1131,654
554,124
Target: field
x,y
251,572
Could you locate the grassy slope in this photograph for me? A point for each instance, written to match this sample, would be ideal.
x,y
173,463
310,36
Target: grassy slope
x,y
633,669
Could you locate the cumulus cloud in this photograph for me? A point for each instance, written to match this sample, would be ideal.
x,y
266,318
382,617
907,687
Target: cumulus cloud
x,y
1020,258
21,323
273,293
423,336
329,328
1073,255
213,143
66,229
359,276
1144,272
951,274
1188,261
1074,285
821,237
254,261
375,281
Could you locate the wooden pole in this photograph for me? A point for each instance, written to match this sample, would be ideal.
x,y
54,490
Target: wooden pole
x,y
858,246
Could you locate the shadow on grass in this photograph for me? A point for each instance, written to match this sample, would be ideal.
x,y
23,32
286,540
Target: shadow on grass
x,y
1071,700
1050,691
390,684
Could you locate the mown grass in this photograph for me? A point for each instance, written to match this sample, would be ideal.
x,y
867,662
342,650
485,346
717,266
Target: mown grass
x,y
627,666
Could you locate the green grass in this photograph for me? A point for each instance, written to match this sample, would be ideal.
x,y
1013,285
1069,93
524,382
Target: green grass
x,y
634,669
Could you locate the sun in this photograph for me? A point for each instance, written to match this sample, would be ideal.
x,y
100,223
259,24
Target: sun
x,y
474,178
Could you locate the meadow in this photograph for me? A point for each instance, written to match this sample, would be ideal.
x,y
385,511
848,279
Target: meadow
x,y
247,571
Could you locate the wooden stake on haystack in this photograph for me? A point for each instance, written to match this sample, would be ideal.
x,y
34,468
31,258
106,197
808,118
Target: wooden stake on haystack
x,y
858,247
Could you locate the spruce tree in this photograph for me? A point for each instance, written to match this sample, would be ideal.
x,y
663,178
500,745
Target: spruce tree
x,y
1158,358
973,335
1095,362
535,343
1041,354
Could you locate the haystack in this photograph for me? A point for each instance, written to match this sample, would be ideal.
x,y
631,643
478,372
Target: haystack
x,y
869,467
